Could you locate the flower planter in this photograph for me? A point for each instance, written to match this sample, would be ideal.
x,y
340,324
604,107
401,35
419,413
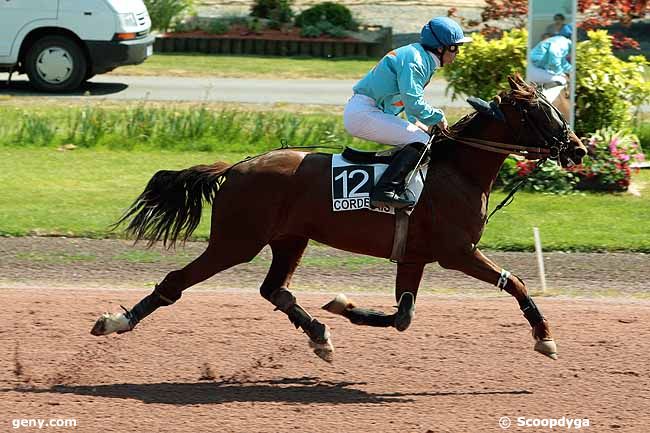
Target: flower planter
x,y
595,184
278,44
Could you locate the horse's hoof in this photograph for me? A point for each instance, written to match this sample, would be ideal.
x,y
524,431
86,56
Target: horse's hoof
x,y
405,311
320,341
109,323
338,305
547,347
324,351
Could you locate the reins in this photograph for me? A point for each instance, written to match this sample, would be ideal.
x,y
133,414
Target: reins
x,y
511,195
542,154
499,147
539,153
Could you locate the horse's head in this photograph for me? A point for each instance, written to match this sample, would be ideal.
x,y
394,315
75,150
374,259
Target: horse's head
x,y
536,123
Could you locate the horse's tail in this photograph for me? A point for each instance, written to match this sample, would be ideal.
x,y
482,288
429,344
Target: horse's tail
x,y
171,204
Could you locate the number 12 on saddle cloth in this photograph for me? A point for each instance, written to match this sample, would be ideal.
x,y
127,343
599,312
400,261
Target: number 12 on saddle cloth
x,y
352,183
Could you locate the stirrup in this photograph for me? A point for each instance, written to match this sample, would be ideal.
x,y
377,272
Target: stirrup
x,y
396,201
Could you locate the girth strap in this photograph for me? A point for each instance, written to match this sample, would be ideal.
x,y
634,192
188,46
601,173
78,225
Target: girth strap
x,y
401,235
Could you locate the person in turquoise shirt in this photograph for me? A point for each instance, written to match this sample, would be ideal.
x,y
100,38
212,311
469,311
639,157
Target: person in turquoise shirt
x,y
395,85
549,59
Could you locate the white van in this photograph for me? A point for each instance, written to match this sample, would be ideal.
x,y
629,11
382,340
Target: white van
x,y
60,44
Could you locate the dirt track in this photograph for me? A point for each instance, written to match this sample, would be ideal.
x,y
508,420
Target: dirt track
x,y
222,361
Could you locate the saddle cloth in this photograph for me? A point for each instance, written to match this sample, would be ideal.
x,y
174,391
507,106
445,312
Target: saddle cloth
x,y
353,181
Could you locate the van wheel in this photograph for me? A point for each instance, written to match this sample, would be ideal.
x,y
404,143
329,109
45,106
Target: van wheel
x,y
55,64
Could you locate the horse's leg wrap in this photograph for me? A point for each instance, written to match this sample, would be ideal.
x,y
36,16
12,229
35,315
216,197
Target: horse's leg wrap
x,y
503,279
284,301
364,316
146,306
530,310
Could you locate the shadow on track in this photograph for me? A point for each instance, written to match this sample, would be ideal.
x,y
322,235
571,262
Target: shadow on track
x,y
21,87
303,390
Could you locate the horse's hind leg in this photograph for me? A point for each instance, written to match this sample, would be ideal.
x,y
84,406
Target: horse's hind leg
x,y
218,257
275,288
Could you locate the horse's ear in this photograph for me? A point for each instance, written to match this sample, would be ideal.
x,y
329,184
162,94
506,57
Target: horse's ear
x,y
512,82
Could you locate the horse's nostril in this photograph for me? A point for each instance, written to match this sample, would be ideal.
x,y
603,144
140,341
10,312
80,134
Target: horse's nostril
x,y
580,152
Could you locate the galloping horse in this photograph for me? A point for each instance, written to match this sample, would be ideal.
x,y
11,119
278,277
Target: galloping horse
x,y
282,199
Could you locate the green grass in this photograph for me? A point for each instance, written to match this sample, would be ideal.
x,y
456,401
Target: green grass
x,y
81,192
642,130
77,193
188,128
583,222
250,67
352,263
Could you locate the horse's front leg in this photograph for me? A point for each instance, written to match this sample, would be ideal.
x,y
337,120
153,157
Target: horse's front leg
x,y
407,283
406,288
475,264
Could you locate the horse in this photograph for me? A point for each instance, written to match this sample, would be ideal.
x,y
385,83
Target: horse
x,y
282,199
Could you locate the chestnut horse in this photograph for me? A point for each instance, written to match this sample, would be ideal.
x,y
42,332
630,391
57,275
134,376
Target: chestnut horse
x,y
283,199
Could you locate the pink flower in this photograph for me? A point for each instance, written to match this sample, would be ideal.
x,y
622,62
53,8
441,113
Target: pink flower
x,y
639,157
624,157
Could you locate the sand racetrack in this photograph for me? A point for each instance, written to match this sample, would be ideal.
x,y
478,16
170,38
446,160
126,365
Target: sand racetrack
x,y
224,361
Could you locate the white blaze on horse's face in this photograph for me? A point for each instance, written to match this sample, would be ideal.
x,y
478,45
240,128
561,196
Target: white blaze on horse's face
x,y
554,117
573,150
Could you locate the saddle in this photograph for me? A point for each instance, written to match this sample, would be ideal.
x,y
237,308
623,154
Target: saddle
x,y
355,172
368,157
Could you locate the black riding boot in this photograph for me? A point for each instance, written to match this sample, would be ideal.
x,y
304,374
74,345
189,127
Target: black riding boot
x,y
389,191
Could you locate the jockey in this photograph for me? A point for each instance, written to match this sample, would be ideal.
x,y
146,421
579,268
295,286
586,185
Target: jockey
x,y
394,85
548,59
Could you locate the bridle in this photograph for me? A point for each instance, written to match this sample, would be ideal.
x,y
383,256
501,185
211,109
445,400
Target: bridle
x,y
554,144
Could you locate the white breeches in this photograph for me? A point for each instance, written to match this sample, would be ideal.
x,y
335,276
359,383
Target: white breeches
x,y
541,76
363,119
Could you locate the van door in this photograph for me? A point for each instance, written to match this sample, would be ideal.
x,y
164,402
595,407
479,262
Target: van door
x,y
15,14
